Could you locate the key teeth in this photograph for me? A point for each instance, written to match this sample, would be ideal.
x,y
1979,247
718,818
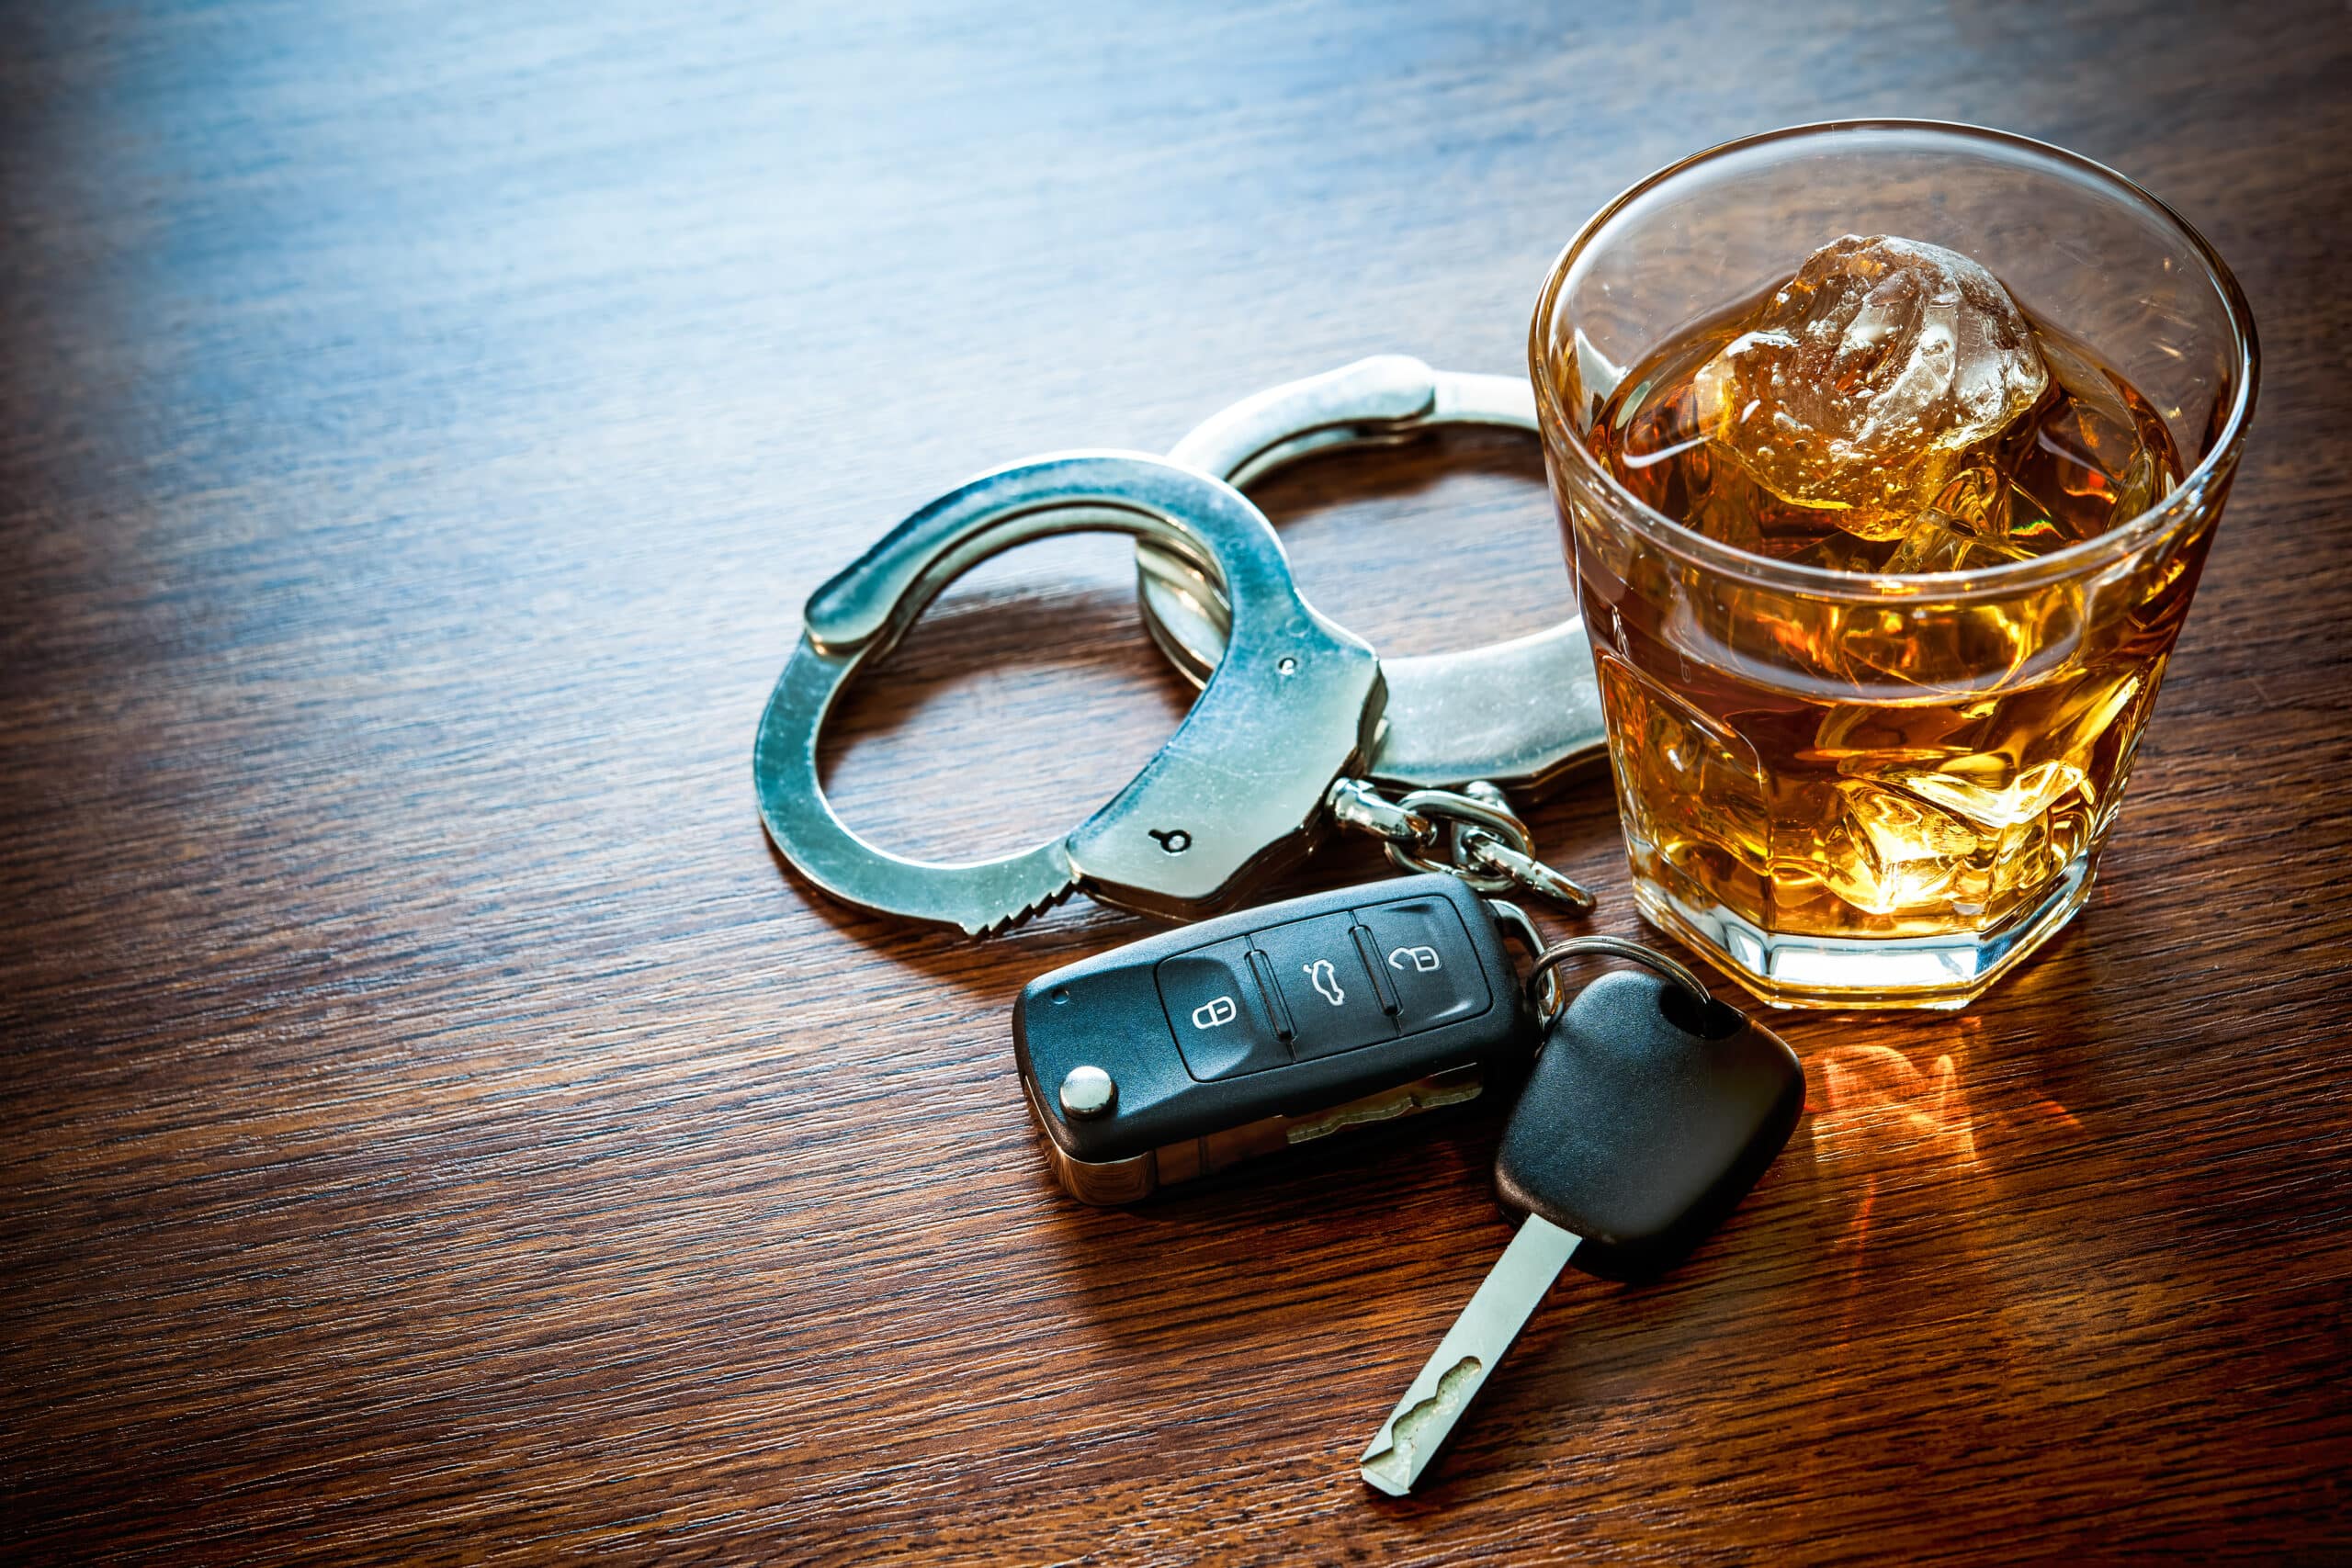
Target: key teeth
x,y
1385,1471
1393,1461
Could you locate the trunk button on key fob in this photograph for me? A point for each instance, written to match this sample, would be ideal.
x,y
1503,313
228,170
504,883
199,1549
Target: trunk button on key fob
x,y
1332,1001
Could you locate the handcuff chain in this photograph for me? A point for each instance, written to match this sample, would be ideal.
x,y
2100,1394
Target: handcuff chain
x,y
1485,844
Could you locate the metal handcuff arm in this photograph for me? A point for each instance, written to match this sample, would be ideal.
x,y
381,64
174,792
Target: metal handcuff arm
x,y
1239,784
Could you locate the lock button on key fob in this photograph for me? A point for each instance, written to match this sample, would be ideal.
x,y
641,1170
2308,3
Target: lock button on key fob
x,y
1218,1010
1247,1035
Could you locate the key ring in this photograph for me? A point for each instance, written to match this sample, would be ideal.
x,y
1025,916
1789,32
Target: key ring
x,y
1451,716
1235,790
1543,980
1559,953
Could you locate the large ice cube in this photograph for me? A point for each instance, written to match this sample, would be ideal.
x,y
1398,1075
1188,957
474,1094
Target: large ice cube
x,y
1936,541
1886,852
1989,792
1863,383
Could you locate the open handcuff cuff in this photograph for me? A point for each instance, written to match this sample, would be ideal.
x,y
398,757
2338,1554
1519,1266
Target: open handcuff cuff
x,y
1298,724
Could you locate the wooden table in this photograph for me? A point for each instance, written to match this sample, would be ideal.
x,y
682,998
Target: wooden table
x,y
439,1129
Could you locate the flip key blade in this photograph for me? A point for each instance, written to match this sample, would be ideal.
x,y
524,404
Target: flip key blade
x,y
1425,1417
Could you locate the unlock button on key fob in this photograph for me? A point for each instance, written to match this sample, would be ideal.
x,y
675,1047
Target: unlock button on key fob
x,y
1426,956
1217,1015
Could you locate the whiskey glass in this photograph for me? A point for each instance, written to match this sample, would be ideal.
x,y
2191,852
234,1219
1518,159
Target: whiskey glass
x,y
1868,791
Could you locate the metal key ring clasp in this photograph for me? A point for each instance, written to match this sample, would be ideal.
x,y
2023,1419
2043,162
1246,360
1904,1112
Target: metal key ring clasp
x,y
1523,712
1552,957
1294,703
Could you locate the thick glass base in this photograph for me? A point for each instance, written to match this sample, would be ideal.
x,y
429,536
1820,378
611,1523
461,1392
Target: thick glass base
x,y
1942,972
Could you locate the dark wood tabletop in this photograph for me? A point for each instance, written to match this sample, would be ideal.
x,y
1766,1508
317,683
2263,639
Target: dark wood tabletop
x,y
439,1128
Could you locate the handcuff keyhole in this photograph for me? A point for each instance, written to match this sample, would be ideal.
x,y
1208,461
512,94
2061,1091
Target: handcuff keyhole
x,y
1175,840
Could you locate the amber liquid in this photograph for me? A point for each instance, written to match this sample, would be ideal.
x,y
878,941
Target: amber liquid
x,y
1879,773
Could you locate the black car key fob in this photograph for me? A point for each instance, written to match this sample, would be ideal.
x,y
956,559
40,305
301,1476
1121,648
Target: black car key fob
x,y
1192,1051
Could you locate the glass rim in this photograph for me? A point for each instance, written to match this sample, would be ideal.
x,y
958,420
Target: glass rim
x,y
2184,500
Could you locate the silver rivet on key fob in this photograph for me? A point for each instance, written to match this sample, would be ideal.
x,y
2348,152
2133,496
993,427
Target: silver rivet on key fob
x,y
1650,1111
1088,1092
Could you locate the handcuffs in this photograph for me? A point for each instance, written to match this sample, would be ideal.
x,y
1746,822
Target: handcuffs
x,y
1298,723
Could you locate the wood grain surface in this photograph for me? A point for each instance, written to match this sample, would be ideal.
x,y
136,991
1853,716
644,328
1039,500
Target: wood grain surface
x,y
439,1129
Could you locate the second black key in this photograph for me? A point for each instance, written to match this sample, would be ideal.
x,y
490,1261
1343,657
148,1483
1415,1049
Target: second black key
x,y
1650,1113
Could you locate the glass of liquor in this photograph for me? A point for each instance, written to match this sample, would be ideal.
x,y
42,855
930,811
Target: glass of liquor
x,y
1889,454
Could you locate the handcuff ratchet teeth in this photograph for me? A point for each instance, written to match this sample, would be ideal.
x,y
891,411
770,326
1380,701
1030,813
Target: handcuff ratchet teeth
x,y
1238,789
